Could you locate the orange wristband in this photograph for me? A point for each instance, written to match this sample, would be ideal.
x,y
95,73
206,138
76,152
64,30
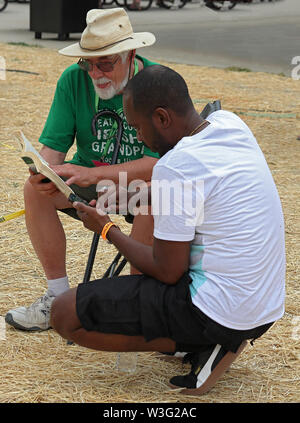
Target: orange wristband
x,y
106,228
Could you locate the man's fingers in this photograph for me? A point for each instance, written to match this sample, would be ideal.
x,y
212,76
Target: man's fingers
x,y
81,207
73,174
61,170
48,188
36,177
70,181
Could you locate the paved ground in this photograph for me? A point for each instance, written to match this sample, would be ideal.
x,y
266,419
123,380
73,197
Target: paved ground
x,y
259,36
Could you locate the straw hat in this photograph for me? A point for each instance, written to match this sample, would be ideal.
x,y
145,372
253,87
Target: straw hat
x,y
108,32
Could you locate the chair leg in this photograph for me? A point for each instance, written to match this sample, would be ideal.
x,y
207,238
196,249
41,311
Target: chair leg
x,y
111,271
91,258
120,267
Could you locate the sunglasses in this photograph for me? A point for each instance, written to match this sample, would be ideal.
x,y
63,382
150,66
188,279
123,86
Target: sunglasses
x,y
102,66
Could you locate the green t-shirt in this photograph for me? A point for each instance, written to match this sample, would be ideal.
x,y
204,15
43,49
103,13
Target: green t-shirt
x,y
70,118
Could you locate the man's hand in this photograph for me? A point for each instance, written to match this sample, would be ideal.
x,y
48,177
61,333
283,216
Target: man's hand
x,y
118,199
79,175
113,199
45,188
90,217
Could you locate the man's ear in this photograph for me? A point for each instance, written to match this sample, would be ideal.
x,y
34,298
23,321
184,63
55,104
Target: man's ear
x,y
161,118
132,56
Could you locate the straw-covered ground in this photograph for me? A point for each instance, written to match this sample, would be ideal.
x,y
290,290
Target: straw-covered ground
x,y
40,367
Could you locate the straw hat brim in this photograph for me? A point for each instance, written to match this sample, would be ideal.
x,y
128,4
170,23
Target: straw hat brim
x,y
135,41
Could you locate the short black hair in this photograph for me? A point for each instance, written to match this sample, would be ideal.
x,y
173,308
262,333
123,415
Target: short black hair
x,y
159,86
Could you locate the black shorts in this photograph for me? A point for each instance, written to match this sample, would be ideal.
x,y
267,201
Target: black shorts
x,y
139,305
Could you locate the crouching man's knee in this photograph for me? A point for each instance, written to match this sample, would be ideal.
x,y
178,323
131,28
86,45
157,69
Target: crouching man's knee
x,y
63,317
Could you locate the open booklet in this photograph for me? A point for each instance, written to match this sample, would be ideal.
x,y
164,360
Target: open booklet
x,y
39,165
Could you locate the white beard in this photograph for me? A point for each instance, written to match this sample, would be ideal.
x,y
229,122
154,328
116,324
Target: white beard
x,y
112,90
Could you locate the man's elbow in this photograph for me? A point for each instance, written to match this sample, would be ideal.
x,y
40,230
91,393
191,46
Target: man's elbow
x,y
149,162
171,277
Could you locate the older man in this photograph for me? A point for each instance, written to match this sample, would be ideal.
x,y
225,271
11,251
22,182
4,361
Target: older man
x,y
107,52
214,277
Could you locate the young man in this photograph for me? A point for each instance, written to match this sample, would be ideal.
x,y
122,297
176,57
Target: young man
x,y
214,276
107,53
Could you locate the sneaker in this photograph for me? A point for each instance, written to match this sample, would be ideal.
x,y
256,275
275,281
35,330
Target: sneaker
x,y
33,318
207,367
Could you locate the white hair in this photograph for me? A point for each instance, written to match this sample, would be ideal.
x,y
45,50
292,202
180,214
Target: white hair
x,y
124,55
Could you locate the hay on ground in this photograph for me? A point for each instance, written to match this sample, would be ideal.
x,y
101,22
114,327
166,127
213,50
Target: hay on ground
x,y
40,367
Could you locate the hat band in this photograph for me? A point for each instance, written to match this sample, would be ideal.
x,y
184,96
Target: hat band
x,y
108,45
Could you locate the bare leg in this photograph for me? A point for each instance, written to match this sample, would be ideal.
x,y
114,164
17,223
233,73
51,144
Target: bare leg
x,y
48,239
142,231
65,321
45,230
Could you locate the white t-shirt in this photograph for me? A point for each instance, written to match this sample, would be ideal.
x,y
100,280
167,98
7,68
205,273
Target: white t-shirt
x,y
224,201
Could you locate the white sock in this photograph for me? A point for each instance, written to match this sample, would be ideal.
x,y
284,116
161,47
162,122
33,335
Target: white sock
x,y
58,286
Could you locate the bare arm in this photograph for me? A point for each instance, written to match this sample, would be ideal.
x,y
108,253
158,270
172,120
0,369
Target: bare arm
x,y
53,157
165,261
84,176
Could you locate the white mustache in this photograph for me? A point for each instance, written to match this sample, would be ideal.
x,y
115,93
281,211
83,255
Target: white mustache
x,y
102,80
